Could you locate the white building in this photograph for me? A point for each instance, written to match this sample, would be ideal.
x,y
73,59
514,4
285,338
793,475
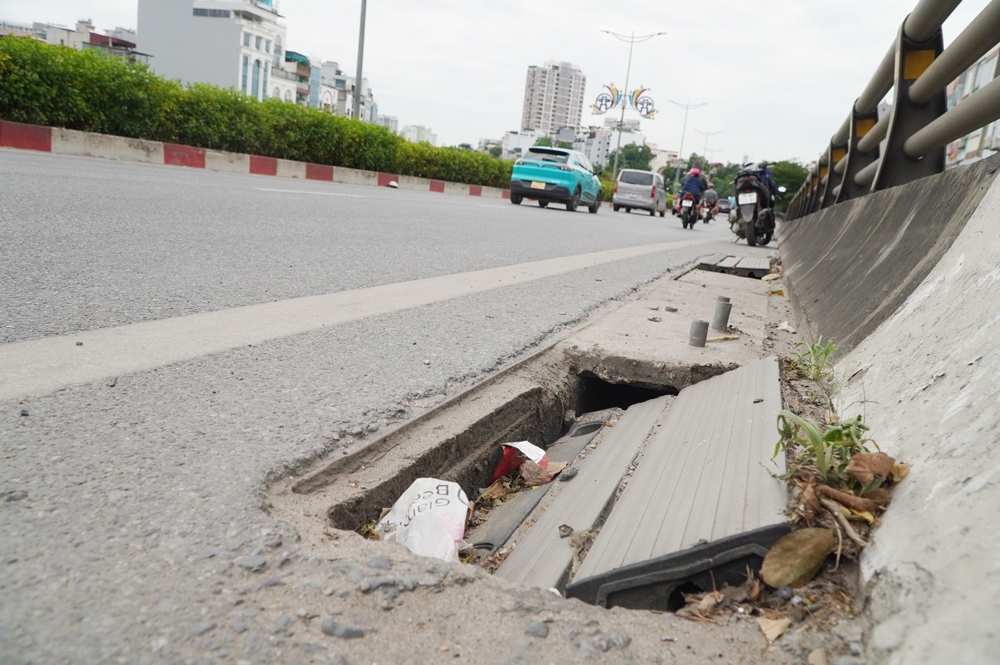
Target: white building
x,y
390,121
661,158
227,43
514,144
418,134
553,97
598,143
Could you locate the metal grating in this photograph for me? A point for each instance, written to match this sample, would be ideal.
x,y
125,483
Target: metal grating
x,y
542,558
753,267
704,495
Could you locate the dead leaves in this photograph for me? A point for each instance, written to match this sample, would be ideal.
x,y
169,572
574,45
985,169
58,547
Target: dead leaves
x,y
867,467
796,558
773,628
535,475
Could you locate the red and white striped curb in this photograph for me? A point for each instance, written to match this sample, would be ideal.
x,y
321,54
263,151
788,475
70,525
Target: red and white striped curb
x,y
105,146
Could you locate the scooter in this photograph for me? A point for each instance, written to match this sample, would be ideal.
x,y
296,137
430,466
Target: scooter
x,y
754,219
689,210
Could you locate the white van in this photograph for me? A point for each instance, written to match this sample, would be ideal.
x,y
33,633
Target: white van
x,y
642,190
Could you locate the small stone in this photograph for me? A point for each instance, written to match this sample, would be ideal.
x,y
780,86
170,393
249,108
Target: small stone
x,y
667,638
222,566
273,542
655,319
24,413
283,623
202,555
668,308
202,628
357,431
373,427
16,495
252,563
372,583
569,474
785,593
380,563
427,362
565,531
238,627
331,627
537,629
272,583
79,343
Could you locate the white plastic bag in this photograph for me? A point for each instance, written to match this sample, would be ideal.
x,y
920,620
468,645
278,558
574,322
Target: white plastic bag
x,y
428,519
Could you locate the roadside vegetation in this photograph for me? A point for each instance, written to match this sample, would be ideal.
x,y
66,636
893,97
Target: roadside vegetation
x,y
89,91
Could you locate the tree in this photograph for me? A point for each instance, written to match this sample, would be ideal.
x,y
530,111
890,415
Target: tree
x,y
545,142
789,174
633,156
564,144
496,151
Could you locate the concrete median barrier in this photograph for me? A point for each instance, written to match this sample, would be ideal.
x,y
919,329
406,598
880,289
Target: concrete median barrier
x,y
850,266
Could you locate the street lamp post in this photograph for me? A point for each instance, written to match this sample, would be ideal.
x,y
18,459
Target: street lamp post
x,y
632,40
680,153
361,59
704,153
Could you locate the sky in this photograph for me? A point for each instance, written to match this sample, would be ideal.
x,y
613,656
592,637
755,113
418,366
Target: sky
x,y
776,79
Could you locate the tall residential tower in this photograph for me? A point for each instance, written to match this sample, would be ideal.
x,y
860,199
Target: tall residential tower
x,y
553,97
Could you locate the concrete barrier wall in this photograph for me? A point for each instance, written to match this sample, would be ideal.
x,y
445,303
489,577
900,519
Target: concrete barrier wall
x,y
910,279
104,146
850,266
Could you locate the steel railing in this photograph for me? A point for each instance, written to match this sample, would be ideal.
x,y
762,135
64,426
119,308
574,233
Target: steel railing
x,y
918,70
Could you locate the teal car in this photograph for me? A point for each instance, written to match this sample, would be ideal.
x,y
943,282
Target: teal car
x,y
555,174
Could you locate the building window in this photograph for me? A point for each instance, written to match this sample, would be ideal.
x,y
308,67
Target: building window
x,y
212,13
267,46
255,89
263,89
246,63
246,39
288,95
257,42
276,94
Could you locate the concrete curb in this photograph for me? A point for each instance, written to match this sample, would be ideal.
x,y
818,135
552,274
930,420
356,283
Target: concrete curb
x,y
105,146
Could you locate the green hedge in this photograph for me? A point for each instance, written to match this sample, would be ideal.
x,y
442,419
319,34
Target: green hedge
x,y
90,91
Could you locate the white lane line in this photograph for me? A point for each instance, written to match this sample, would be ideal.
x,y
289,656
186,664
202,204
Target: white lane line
x,y
302,191
39,367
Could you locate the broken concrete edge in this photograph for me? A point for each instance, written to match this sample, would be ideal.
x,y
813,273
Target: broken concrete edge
x,y
309,472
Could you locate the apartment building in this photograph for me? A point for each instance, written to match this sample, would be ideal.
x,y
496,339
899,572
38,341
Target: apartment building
x,y
227,43
553,98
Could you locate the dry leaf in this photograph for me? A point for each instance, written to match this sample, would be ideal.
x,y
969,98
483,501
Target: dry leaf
x,y
866,467
535,475
494,491
817,657
710,602
773,628
809,500
900,470
868,502
754,594
797,557
863,514
880,497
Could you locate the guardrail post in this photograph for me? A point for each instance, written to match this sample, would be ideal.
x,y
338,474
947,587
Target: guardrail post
x,y
906,118
814,191
861,124
834,179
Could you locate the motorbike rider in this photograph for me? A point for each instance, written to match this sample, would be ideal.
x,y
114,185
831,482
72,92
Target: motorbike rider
x,y
768,180
711,201
695,184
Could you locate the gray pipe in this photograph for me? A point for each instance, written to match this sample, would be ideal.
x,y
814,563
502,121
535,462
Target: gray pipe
x,y
980,35
699,333
869,142
722,311
979,110
865,176
927,17
879,85
840,166
839,139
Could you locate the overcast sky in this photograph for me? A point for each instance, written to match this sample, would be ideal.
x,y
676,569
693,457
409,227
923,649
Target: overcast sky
x,y
777,77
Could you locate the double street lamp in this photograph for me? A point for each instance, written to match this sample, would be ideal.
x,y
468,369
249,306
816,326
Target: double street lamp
x,y
632,41
704,153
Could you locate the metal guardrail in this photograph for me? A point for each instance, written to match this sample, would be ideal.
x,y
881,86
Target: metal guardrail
x,y
917,69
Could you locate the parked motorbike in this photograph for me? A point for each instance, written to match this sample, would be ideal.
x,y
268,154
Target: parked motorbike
x,y
689,210
754,219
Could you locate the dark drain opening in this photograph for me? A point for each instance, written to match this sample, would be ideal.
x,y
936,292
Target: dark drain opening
x,y
470,457
597,394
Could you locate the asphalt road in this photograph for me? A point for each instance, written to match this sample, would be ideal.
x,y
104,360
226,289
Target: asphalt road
x,y
127,501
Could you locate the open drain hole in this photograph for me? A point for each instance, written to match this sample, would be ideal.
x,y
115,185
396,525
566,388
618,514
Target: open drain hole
x,y
470,457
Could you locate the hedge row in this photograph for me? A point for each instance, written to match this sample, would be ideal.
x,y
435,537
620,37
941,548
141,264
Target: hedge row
x,y
89,91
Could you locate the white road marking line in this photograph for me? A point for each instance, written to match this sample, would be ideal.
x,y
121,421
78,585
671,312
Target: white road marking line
x,y
39,367
302,191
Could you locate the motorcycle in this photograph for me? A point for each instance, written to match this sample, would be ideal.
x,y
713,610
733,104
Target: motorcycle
x,y
708,213
689,210
754,219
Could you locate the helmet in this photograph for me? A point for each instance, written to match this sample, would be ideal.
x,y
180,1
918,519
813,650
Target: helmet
x,y
695,171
